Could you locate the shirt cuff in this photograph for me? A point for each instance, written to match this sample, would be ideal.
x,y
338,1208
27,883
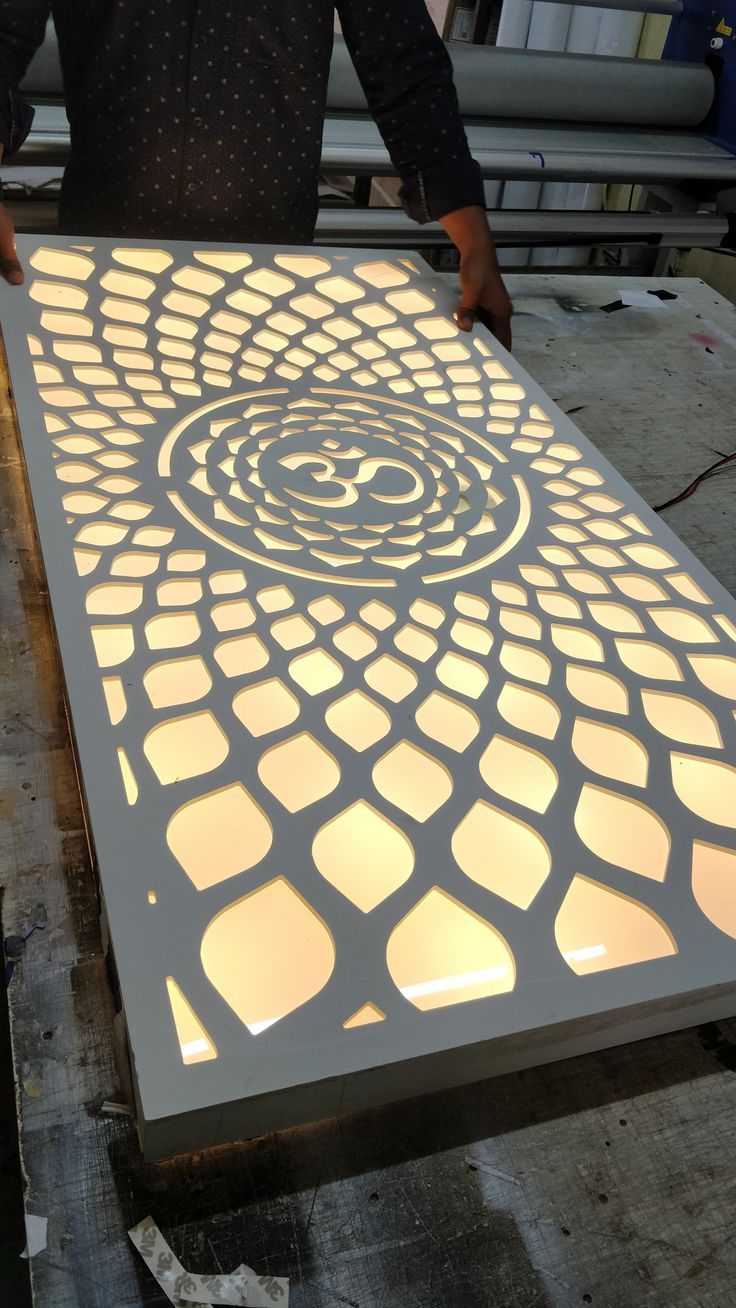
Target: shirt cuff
x,y
16,117
443,188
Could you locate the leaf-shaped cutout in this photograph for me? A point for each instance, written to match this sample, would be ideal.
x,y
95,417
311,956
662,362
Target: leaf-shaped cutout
x,y
648,660
219,835
680,624
714,884
268,954
716,671
186,747
441,954
681,718
706,787
597,689
299,771
502,853
364,855
519,772
623,831
412,780
610,751
529,710
598,928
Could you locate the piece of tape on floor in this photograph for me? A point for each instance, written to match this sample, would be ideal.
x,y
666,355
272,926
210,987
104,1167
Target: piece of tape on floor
x,y
242,1287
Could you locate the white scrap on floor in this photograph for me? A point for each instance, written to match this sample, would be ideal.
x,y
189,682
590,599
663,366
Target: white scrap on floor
x,y
242,1287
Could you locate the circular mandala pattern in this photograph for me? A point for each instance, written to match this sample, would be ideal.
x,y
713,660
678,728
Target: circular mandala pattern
x,y
335,487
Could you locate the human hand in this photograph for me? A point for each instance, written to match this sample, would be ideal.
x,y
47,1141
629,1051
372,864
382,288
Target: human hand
x,y
483,294
10,268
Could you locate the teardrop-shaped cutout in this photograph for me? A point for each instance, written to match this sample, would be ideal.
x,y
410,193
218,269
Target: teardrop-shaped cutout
x,y
502,853
681,718
623,831
268,954
441,954
598,928
706,787
714,884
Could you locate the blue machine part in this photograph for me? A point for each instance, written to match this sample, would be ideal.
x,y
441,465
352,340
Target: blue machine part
x,y
703,33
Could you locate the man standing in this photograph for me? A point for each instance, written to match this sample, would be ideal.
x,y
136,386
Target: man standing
x,y
202,120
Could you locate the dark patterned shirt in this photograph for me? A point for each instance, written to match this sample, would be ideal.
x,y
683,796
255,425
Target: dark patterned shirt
x,y
202,119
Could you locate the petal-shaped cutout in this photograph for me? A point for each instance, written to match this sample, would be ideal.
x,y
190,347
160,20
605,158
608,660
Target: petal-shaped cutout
x,y
648,660
522,661
714,884
623,831
299,771
519,772
576,643
266,707
113,645
358,720
598,928
614,617
529,710
177,681
716,671
186,747
502,853
681,718
597,689
462,674
441,954
610,751
446,720
412,780
219,835
391,678
249,956
365,1016
364,855
682,625
706,787
195,1044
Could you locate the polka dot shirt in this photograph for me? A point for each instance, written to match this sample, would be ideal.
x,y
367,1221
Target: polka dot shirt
x,y
202,119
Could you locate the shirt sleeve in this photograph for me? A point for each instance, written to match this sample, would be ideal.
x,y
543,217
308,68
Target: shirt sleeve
x,y
22,28
406,74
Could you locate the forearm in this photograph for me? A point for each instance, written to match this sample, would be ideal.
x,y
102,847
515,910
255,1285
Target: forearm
x,y
468,229
407,77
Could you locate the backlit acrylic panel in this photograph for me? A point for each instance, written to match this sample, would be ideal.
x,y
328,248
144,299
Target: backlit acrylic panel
x,y
405,729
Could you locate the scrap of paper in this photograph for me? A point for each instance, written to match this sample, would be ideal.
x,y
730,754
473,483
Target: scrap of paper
x,y
242,1287
36,1229
632,298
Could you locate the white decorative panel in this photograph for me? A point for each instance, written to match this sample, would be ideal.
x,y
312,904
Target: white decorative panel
x,y
405,729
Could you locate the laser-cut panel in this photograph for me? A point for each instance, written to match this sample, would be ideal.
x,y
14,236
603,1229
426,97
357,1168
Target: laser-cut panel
x,y
392,700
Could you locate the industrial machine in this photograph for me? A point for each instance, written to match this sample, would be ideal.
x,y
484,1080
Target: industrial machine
x,y
666,125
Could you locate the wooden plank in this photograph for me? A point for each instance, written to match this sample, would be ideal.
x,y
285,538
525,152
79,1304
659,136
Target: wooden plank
x,y
600,1180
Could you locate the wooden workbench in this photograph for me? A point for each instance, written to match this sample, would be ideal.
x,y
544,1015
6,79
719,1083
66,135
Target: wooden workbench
x,y
606,1180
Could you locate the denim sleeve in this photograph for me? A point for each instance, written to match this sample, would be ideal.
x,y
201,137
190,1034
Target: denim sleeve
x,y
22,28
406,74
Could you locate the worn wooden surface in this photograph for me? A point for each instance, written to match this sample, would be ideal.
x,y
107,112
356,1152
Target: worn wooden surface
x,y
606,1180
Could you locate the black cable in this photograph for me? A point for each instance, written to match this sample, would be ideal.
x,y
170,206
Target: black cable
x,y
696,482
